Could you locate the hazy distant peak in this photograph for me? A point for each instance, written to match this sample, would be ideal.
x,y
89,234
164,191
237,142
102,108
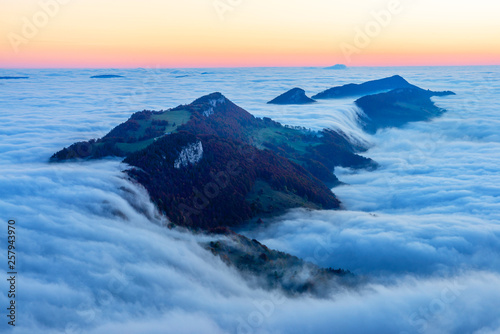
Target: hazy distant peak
x,y
106,76
337,67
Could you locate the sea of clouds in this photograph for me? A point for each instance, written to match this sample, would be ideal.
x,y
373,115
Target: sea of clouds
x,y
422,232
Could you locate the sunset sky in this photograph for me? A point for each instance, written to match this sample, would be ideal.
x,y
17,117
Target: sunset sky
x,y
227,33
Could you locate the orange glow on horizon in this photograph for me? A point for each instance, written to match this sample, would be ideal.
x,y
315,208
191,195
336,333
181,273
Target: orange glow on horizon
x,y
259,33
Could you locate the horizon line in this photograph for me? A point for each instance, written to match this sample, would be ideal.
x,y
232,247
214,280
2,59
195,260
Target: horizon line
x,y
236,67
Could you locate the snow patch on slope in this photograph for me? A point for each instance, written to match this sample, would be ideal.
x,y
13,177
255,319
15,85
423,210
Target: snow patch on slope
x,y
190,155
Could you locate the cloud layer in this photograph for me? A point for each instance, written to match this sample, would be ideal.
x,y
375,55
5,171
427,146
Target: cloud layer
x,y
423,231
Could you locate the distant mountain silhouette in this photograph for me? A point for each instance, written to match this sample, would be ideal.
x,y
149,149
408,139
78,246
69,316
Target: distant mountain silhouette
x,y
398,107
106,76
293,96
337,67
369,87
13,78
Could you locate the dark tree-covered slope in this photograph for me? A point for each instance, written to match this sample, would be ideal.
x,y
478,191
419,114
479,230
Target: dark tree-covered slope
x,y
274,269
210,166
213,186
318,152
398,107
139,131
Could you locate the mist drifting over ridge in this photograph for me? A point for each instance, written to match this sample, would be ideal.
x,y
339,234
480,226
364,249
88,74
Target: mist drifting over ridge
x,y
424,230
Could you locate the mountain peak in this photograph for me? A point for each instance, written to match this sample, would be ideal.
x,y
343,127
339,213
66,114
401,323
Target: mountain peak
x,y
293,96
209,97
396,77
210,103
369,87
